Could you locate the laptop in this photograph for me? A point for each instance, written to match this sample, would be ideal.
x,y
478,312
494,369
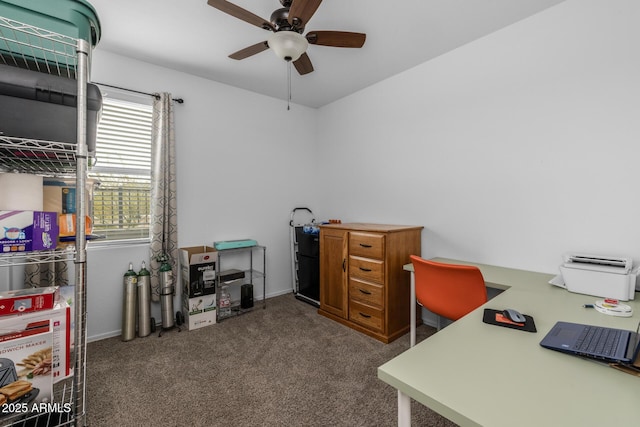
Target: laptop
x,y
594,342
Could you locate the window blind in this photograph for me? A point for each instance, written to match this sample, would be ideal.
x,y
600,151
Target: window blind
x,y
121,203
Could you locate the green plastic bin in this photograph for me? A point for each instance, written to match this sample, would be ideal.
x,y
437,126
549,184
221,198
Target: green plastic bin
x,y
72,18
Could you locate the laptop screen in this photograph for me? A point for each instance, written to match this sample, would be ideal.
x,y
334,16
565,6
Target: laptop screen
x,y
636,346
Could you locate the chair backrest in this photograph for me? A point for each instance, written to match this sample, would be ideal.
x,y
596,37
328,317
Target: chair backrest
x,y
448,290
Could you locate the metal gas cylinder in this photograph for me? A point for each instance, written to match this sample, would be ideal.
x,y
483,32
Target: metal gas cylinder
x,y
166,293
129,304
144,301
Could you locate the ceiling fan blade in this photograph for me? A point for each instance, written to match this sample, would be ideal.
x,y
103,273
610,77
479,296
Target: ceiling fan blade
x,y
250,51
301,11
336,38
241,13
303,64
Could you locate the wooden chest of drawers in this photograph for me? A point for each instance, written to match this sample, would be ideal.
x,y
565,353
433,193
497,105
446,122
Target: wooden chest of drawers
x,y
362,283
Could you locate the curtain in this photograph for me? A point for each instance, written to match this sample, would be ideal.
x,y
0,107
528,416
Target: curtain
x,y
55,273
164,218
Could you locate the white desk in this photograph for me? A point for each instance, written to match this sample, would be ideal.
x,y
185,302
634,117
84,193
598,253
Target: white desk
x,y
465,371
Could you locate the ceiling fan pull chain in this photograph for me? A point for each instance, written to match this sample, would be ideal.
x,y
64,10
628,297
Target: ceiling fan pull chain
x,y
289,85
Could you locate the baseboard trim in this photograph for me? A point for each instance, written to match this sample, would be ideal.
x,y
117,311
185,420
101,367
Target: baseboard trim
x,y
112,334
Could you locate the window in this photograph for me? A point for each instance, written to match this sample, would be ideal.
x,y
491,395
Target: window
x,y
121,201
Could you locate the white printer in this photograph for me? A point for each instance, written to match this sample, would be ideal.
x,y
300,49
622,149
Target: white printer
x,y
601,276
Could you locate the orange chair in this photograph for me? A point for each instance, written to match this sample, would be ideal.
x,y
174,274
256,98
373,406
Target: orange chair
x,y
448,290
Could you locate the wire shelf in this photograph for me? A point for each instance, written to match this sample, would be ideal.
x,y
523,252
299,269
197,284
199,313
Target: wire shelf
x,y
37,49
63,253
62,403
36,156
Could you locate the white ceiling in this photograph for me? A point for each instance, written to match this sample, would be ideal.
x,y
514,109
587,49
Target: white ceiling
x,y
191,36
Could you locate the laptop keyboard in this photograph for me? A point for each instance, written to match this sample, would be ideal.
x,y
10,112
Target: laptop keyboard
x,y
598,340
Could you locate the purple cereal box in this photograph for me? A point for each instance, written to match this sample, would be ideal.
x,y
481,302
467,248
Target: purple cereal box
x,y
23,231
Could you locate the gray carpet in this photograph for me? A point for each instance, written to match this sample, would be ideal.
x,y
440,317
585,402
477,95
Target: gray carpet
x,y
281,366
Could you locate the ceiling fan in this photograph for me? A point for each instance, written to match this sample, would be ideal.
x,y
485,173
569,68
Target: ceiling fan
x,y
287,25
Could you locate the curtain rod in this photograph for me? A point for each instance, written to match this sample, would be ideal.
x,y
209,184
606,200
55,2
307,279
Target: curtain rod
x,y
155,95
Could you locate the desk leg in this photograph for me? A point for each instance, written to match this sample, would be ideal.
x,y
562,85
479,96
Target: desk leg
x,y
404,410
413,308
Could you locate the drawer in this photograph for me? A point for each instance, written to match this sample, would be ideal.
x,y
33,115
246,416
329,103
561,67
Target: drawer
x,y
368,269
365,315
367,245
365,292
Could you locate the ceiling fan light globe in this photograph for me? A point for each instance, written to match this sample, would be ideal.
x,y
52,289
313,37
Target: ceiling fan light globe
x,y
288,45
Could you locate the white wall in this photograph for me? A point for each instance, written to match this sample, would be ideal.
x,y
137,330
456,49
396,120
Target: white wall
x,y
510,150
243,165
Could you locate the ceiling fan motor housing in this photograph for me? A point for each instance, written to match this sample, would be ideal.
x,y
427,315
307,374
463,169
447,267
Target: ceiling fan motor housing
x,y
280,21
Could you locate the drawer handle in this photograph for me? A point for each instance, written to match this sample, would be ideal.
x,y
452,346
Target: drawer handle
x,y
344,265
366,316
365,292
365,269
364,245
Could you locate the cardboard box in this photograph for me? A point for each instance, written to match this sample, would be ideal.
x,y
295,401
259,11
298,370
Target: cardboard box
x,y
25,354
199,312
28,300
198,271
59,195
23,231
68,295
59,317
